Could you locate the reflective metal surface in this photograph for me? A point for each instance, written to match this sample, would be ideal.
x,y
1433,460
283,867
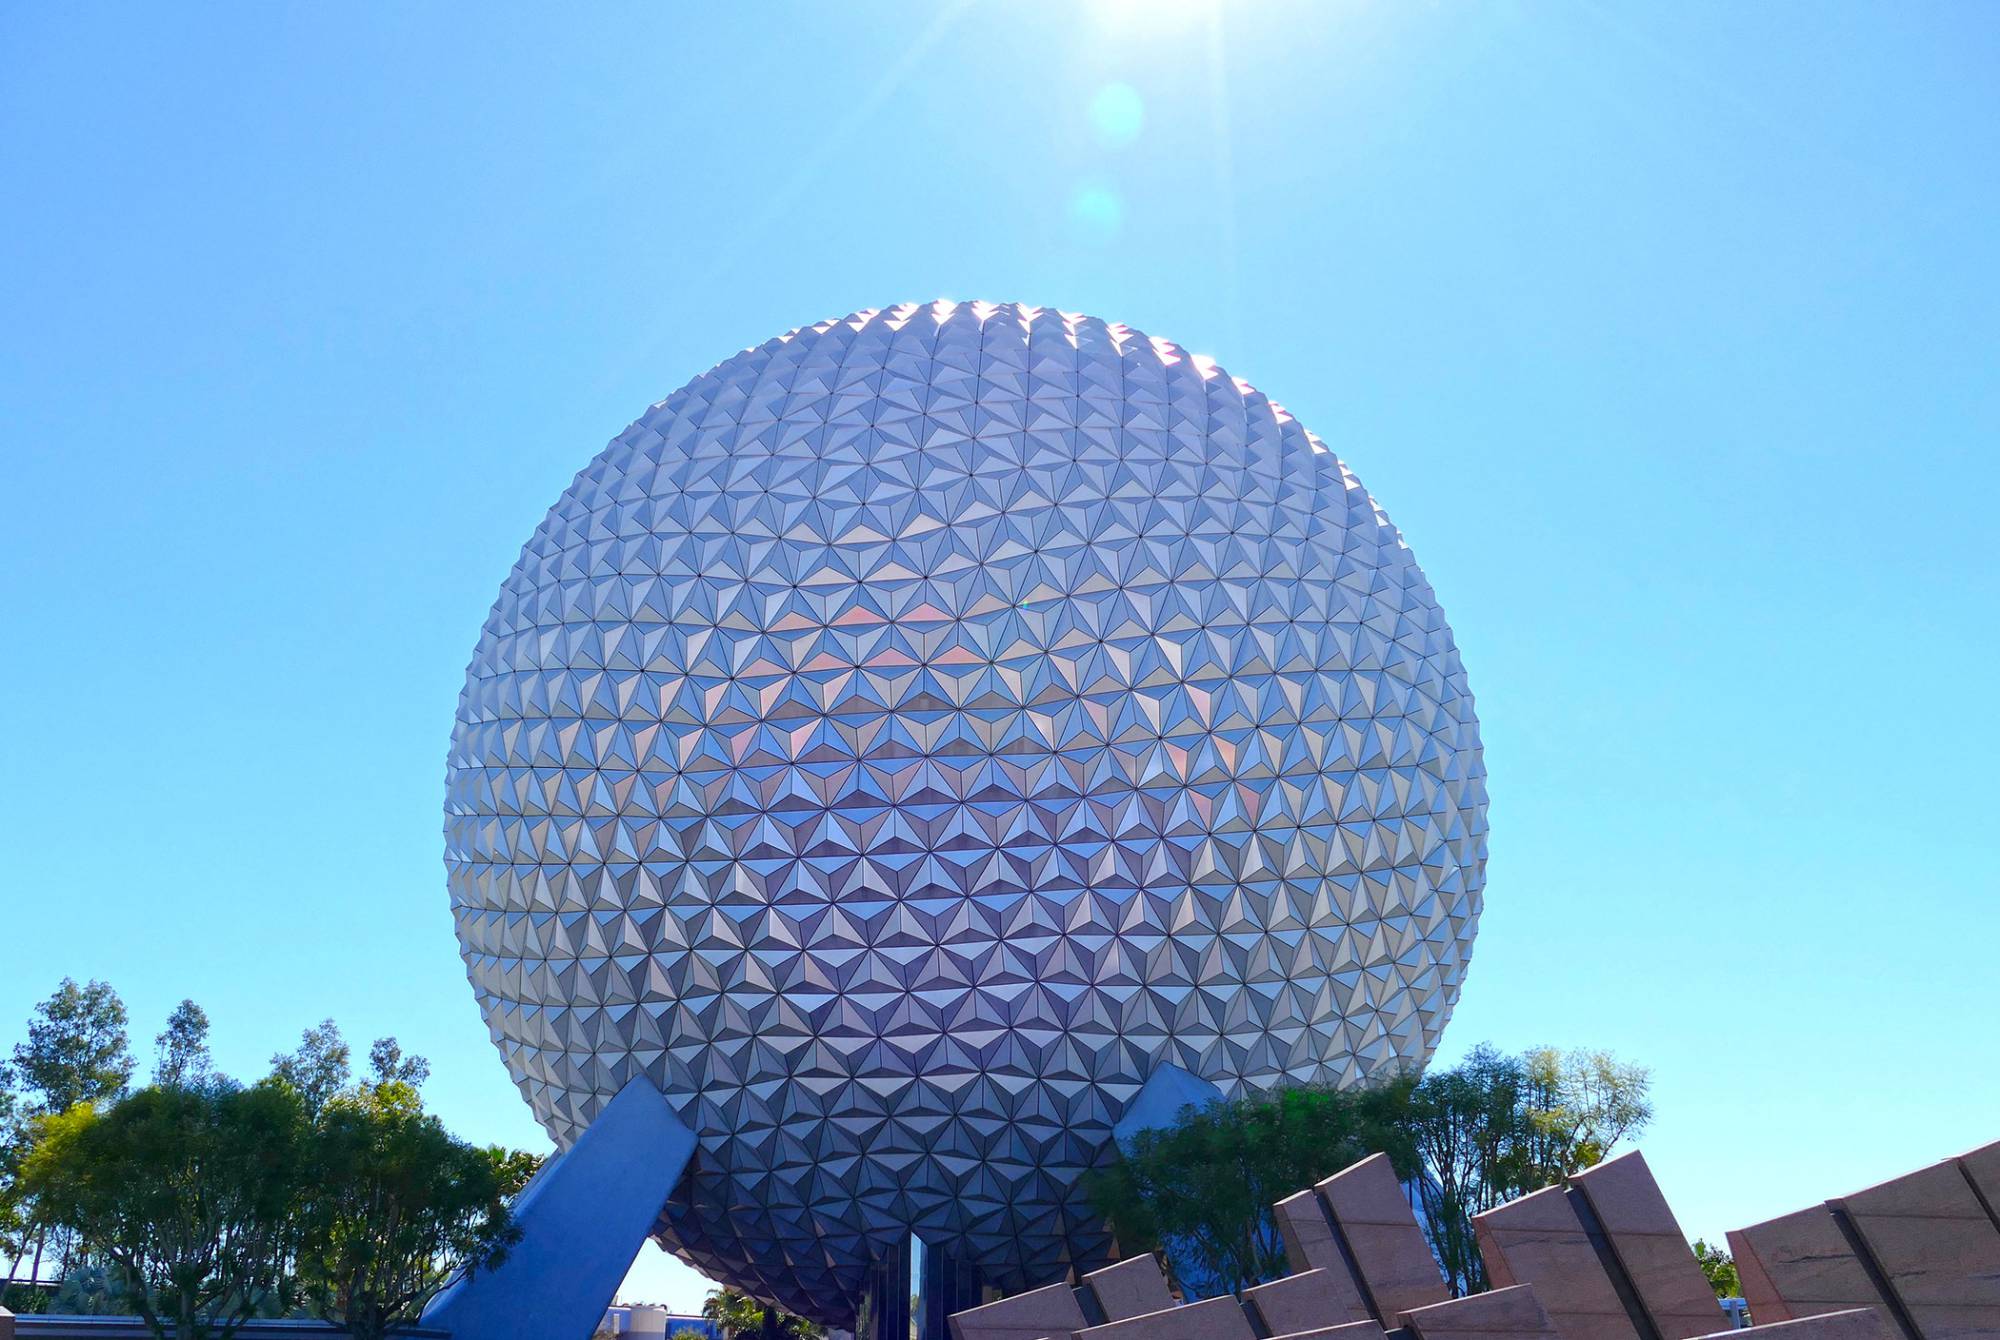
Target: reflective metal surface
x,y
914,729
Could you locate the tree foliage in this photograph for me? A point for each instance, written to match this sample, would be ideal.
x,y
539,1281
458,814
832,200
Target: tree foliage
x,y
1206,1184
13,1145
1720,1268
76,1050
198,1203
515,1168
92,1290
183,1060
393,1206
1579,1104
738,1314
388,1065
185,1192
1465,1139
10,1104
14,1228
1467,1125
319,1068
1495,1127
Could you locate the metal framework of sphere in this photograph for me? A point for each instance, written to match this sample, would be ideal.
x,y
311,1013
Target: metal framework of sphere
x,y
915,730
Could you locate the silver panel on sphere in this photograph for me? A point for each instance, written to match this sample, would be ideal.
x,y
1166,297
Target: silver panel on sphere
x,y
912,731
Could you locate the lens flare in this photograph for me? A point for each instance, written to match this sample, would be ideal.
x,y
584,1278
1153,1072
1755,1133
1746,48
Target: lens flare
x,y
1117,115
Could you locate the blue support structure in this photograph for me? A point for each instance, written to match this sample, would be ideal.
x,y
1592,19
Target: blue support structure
x,y
582,1220
888,1301
1165,1093
1160,1100
948,1285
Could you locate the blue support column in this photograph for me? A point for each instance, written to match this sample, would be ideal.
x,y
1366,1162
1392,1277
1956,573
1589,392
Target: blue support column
x,y
1167,1091
1160,1100
888,1302
582,1220
949,1285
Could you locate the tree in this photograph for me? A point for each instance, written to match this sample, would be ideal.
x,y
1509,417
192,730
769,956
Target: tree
x,y
10,1106
393,1207
184,1059
514,1167
1720,1268
1205,1185
790,1327
205,1203
1580,1104
1495,1127
319,1069
1464,1139
1467,1126
736,1313
186,1193
13,1147
76,1053
76,1050
388,1065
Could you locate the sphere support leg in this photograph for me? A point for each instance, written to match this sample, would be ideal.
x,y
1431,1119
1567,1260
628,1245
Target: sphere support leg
x,y
582,1220
949,1285
888,1301
1166,1093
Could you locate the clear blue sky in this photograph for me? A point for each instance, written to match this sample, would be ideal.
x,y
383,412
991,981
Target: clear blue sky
x,y
1667,335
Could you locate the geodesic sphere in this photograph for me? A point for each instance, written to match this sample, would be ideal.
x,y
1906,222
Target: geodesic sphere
x,y
912,732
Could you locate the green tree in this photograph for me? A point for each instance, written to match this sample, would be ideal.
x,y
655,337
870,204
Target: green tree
x,y
736,1313
393,1207
514,1167
320,1067
1720,1268
76,1050
186,1193
1495,1127
1205,1185
388,1065
76,1053
13,1148
1468,1126
798,1328
10,1105
739,1314
183,1056
1465,1138
1579,1105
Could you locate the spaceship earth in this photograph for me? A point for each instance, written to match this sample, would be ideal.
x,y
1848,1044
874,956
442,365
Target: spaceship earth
x,y
917,729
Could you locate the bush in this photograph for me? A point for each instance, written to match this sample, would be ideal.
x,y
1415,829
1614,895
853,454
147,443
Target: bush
x,y
25,1300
